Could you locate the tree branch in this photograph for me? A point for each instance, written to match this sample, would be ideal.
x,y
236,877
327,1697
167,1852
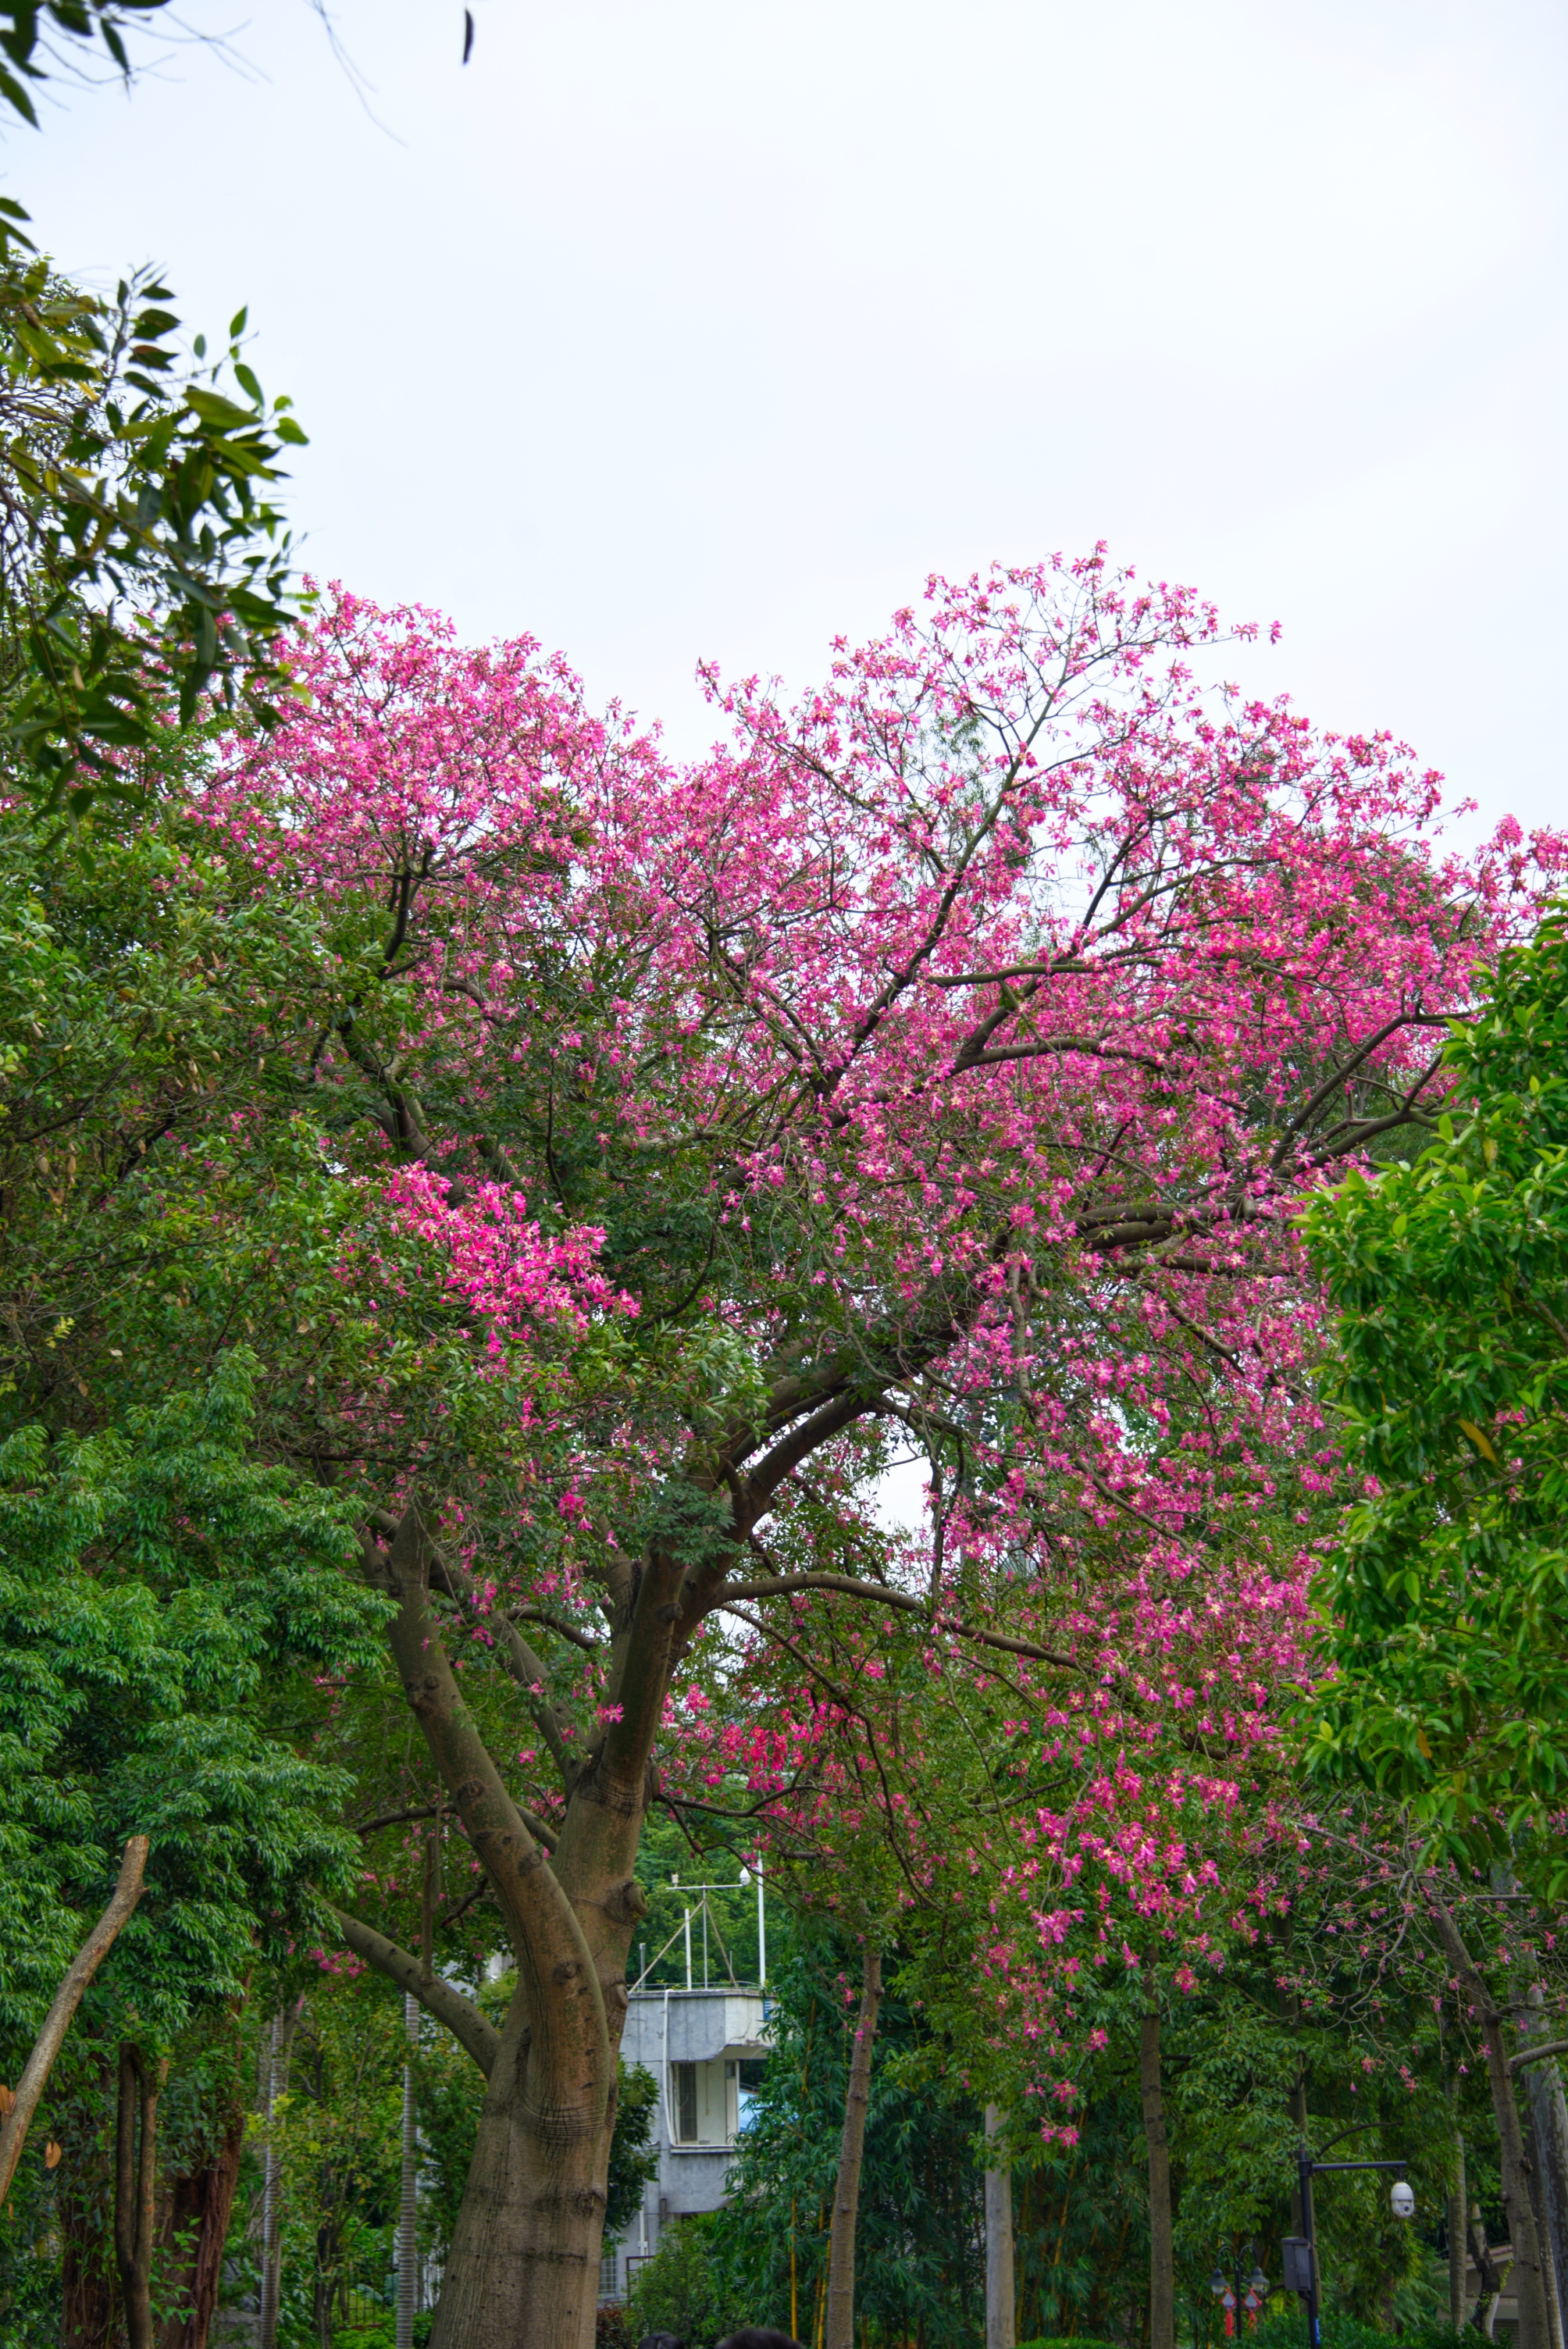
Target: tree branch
x,y
471,2030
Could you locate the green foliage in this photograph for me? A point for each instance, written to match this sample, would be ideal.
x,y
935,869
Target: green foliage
x,y
1284,2327
1067,2340
141,562
685,2289
1448,1597
158,1590
27,28
918,2233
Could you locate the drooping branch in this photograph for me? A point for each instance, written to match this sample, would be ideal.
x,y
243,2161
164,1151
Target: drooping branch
x,y
879,1594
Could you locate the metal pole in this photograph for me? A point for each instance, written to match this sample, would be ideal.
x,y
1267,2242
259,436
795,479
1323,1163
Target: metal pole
x,y
1313,2327
704,1941
408,2248
689,1948
761,1928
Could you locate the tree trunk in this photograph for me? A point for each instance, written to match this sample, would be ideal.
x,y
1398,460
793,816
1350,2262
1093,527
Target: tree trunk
x,y
407,2201
277,2072
1458,2310
135,2179
1529,2283
35,2072
1000,2312
1549,2146
88,2317
1161,2246
199,2225
523,2266
840,2321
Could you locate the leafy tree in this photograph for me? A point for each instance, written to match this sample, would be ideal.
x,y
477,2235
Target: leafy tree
x,y
162,1596
603,1161
918,2234
1447,1596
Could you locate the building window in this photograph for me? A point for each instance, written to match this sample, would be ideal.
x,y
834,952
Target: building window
x,y
607,2277
686,2104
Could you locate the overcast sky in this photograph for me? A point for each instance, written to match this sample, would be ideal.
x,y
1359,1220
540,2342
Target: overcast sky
x,y
672,328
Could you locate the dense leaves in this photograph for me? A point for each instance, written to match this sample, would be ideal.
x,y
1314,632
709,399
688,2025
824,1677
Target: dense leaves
x,y
1447,1596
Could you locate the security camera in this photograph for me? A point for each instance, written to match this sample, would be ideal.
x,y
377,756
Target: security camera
x,y
1403,2199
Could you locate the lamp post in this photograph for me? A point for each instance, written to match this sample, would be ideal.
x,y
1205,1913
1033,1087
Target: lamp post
x,y
1301,2251
1234,2301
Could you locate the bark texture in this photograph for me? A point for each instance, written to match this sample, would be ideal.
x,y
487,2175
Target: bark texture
x,y
1458,2308
197,2229
67,1998
839,2332
524,2265
1000,2303
1161,2244
86,2207
1548,2111
1529,2283
135,2181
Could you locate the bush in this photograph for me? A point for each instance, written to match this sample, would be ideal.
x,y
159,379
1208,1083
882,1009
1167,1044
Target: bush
x,y
680,2288
1288,2331
1062,2341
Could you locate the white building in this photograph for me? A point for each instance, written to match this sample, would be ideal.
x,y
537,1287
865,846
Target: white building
x,y
705,2048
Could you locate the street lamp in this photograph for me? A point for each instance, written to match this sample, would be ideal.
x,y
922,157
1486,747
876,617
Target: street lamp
x,y
1300,2250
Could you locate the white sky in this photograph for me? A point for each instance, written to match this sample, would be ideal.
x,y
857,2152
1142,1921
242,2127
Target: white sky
x,y
682,327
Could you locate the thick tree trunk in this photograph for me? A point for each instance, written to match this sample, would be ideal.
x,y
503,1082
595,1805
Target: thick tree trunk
x,y
1161,2245
1000,2309
1529,2283
199,2221
840,2323
1458,2308
87,2318
135,2180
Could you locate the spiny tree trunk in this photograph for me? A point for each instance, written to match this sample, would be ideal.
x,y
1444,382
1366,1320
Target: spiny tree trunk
x,y
1161,2246
840,2323
135,2180
199,2219
1528,2284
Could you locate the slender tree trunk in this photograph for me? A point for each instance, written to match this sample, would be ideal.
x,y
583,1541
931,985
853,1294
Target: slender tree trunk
x,y
1548,2111
1529,2283
135,2180
1161,2246
199,2217
1458,2310
840,2313
408,2244
67,1998
283,2031
1000,2310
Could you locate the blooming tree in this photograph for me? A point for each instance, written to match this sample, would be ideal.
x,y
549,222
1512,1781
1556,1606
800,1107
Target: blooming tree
x,y
943,1053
